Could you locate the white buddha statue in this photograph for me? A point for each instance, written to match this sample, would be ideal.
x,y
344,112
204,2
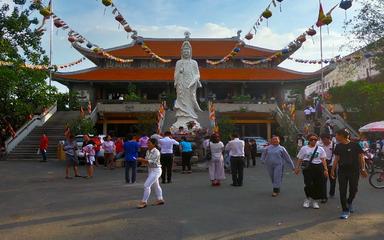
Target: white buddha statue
x,y
187,80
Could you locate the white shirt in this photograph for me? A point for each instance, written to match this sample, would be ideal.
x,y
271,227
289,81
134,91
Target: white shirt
x,y
312,109
306,152
307,111
166,145
235,148
153,157
216,150
328,150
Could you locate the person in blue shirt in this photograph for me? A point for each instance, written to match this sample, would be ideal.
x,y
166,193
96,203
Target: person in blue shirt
x,y
131,152
186,155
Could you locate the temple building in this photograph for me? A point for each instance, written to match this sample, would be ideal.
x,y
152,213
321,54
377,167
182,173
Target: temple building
x,y
246,93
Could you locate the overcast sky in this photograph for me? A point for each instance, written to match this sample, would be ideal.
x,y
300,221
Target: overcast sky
x,y
203,18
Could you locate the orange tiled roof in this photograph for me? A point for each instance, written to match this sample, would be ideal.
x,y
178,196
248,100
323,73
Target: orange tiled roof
x,y
166,74
202,48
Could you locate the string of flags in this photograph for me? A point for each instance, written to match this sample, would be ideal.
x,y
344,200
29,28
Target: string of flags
x,y
323,19
134,34
44,67
337,59
292,46
73,36
230,55
267,13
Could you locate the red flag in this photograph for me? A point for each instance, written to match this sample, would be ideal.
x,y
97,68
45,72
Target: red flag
x,y
321,16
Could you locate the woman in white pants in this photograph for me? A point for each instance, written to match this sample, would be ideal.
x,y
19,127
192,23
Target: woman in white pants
x,y
152,160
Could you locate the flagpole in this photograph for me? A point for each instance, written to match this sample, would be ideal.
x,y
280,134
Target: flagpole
x,y
321,59
50,45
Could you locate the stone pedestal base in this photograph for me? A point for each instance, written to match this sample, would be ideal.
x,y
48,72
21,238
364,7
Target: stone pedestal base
x,y
182,122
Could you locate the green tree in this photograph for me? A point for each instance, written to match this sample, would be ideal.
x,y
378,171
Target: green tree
x,y
368,28
226,128
364,100
82,126
23,91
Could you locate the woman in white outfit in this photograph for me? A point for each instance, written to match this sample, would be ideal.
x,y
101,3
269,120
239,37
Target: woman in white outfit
x,y
152,160
216,164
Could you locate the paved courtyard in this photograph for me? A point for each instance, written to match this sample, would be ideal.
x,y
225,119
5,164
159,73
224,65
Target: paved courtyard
x,y
36,202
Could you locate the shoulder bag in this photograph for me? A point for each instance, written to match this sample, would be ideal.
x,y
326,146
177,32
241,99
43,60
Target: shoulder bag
x,y
305,164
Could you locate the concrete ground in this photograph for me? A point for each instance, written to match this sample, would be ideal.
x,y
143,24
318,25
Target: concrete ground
x,y
36,202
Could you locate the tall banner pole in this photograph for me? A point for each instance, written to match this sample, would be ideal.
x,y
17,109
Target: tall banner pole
x,y
321,59
50,45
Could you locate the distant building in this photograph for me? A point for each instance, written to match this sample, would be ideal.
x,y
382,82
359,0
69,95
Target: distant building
x,y
354,67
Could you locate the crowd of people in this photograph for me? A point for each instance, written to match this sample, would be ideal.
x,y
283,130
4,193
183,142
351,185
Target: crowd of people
x,y
321,160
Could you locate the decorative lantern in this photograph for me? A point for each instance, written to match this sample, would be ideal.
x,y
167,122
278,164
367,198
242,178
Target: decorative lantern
x,y
107,2
81,40
249,36
46,12
327,19
285,51
89,45
127,28
236,50
72,39
119,18
345,4
58,23
267,13
311,32
20,2
139,41
301,38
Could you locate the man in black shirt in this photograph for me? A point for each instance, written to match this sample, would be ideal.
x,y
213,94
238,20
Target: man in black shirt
x,y
349,160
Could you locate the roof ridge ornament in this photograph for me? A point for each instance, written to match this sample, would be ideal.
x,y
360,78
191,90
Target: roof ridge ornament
x,y
187,35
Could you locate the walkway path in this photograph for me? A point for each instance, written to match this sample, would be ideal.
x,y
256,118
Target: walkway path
x,y
36,202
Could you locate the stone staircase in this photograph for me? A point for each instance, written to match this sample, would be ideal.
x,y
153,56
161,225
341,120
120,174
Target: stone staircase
x,y
170,118
54,128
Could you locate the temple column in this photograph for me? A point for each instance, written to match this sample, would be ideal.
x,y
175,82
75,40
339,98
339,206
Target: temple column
x,y
242,89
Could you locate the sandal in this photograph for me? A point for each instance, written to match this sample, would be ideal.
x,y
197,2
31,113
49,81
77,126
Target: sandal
x,y
159,202
78,176
142,205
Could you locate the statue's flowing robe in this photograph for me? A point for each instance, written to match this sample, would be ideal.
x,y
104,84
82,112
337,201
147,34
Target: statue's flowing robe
x,y
187,80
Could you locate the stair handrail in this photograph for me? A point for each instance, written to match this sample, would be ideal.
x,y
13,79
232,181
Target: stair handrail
x,y
284,117
292,128
340,119
27,128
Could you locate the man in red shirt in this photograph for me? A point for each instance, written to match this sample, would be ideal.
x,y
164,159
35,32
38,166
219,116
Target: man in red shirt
x,y
43,147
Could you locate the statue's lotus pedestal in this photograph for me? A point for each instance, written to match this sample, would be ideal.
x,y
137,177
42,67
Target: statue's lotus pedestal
x,y
185,123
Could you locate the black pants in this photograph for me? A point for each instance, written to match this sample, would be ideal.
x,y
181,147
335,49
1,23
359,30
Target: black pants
x,y
314,181
130,165
332,184
348,178
186,160
253,156
237,169
166,166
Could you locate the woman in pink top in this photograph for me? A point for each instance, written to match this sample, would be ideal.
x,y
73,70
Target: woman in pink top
x,y
143,143
109,151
